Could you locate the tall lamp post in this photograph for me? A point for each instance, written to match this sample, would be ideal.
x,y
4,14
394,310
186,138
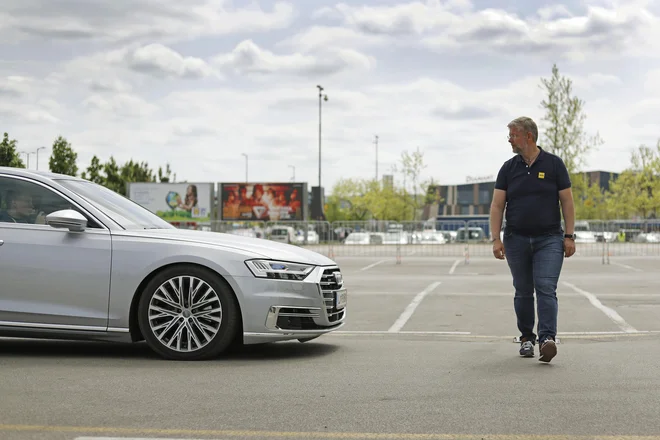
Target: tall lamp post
x,y
27,155
293,178
246,167
322,97
376,144
40,148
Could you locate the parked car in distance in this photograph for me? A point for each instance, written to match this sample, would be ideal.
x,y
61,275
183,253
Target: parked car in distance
x,y
79,261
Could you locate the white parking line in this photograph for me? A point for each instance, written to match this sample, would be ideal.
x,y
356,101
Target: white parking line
x,y
610,313
453,266
627,267
372,265
381,332
408,312
131,438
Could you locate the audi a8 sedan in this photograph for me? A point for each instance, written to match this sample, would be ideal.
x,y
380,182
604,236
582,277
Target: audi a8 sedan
x,y
81,262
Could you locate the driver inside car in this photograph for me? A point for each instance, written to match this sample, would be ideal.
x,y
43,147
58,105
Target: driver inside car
x,y
20,209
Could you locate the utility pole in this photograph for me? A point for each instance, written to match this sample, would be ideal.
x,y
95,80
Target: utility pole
x,y
322,97
246,167
27,155
376,143
40,148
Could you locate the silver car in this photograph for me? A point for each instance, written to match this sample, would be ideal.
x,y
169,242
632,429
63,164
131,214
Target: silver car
x,y
79,261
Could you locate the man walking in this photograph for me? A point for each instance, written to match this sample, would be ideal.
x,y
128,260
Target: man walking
x,y
530,187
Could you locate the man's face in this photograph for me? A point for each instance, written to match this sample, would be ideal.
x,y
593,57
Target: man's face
x,y
517,139
23,205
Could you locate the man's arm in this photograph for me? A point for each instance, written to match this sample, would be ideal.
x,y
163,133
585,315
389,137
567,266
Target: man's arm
x,y
496,213
568,209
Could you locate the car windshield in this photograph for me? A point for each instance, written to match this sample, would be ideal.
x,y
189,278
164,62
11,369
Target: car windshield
x,y
125,212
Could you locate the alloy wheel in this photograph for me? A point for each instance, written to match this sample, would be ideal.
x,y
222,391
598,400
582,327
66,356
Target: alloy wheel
x,y
185,313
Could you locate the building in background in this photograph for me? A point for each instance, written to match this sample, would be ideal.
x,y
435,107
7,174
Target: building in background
x,y
474,197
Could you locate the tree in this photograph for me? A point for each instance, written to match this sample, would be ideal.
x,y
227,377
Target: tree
x,y
94,171
637,189
63,158
166,176
593,199
564,133
412,165
9,157
114,176
366,199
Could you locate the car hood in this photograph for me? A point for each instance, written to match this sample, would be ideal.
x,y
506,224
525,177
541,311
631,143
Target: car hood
x,y
266,248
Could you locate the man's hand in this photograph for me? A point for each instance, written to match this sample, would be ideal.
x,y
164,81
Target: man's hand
x,y
498,249
41,219
569,247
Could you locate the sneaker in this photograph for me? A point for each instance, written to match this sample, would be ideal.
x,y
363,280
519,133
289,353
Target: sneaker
x,y
548,350
526,349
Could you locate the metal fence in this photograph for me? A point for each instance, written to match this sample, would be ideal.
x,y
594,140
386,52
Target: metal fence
x,y
446,238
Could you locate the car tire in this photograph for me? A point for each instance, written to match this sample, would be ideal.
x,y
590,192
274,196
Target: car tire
x,y
178,330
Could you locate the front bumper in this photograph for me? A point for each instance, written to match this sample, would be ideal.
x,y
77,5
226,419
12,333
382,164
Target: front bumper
x,y
306,309
324,315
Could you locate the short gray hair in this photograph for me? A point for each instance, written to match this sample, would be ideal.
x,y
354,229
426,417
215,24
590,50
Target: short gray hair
x,y
525,124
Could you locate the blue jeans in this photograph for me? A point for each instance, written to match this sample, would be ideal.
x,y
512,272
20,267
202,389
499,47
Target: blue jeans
x,y
535,263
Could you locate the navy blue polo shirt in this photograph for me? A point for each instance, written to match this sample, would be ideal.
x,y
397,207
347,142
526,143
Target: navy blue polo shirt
x,y
532,193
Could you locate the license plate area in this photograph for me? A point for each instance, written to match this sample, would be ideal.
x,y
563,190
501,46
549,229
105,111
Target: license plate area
x,y
341,298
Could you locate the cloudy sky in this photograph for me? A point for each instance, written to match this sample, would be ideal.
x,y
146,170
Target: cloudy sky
x,y
197,83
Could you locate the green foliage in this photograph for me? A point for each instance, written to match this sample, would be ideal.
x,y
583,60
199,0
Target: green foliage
x,y
9,157
564,133
115,177
63,158
367,199
636,192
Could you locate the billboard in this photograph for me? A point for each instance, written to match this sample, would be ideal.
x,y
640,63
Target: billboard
x,y
175,202
263,201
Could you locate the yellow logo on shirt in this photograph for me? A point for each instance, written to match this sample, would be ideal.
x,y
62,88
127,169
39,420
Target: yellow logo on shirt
x,y
541,175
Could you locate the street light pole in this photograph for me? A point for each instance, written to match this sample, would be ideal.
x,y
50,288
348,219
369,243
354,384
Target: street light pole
x,y
40,148
246,167
27,155
293,179
321,98
376,143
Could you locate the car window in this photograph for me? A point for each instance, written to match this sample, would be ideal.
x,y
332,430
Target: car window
x,y
125,212
26,202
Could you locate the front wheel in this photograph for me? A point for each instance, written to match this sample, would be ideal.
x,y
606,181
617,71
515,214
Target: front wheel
x,y
188,313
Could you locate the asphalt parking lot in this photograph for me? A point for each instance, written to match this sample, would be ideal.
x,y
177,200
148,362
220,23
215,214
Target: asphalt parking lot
x,y
427,353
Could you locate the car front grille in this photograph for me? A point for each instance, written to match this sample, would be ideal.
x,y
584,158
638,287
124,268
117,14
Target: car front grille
x,y
329,287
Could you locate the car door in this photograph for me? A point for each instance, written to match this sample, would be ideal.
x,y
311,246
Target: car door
x,y
50,278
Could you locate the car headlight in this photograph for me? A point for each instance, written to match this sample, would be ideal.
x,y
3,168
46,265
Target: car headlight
x,y
279,270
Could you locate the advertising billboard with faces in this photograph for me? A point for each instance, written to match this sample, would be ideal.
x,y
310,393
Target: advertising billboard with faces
x,y
263,201
175,202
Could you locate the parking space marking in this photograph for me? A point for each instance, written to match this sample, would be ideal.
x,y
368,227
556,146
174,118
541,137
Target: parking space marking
x,y
610,313
219,433
400,332
453,266
626,266
372,265
408,312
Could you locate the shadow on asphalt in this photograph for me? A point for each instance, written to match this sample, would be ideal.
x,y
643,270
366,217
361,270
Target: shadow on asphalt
x,y
23,348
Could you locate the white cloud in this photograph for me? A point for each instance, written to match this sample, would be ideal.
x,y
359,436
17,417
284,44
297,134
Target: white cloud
x,y
159,60
114,21
14,86
443,27
248,58
119,106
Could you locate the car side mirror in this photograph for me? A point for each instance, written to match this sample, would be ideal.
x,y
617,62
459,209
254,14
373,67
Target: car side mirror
x,y
67,219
